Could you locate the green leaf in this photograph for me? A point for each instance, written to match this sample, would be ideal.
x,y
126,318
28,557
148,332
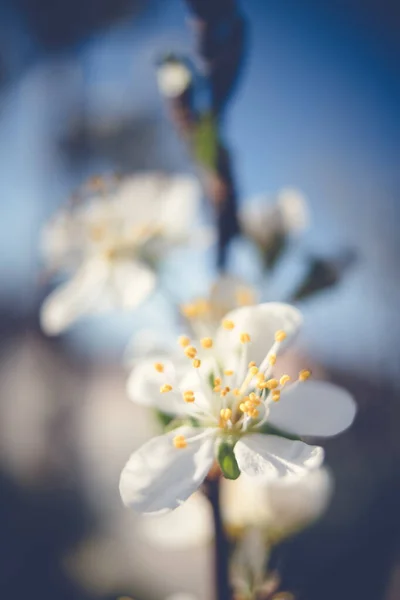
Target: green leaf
x,y
227,460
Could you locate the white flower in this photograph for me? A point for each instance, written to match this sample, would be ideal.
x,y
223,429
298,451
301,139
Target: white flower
x,y
235,409
173,78
112,243
263,221
280,507
204,315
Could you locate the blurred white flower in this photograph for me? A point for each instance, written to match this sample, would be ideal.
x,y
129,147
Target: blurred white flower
x,y
189,525
232,410
111,244
204,315
173,77
280,507
263,220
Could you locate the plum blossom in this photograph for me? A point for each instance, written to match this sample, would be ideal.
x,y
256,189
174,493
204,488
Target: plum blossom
x,y
231,406
109,245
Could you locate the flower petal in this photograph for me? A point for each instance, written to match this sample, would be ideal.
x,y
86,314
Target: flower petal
x,y
159,477
132,281
313,408
271,456
261,322
74,298
144,384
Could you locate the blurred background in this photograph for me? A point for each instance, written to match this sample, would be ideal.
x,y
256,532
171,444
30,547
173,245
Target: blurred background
x,y
317,108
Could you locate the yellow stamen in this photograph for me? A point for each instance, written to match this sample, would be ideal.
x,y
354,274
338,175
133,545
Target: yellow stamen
x,y
159,367
179,441
206,342
272,384
280,336
242,407
236,392
227,324
188,396
245,338
190,352
217,381
284,380
189,310
253,370
217,389
228,372
260,377
225,414
184,341
225,391
252,364
272,359
304,375
196,363
276,395
253,413
165,388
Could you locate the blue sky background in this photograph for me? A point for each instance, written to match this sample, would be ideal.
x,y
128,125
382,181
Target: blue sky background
x,y
317,108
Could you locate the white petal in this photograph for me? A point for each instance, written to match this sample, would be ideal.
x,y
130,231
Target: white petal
x,y
144,385
132,281
178,204
159,477
74,298
271,456
313,408
296,501
261,322
189,525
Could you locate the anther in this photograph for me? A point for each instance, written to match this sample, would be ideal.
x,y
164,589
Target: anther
x,y
189,310
184,341
217,381
253,370
190,352
227,324
276,395
226,414
196,363
280,336
236,392
304,375
252,364
284,380
179,442
272,359
165,388
228,372
242,407
245,338
188,396
225,391
206,342
272,384
159,367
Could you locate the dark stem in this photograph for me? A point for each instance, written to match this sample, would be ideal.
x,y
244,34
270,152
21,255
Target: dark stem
x,y
223,589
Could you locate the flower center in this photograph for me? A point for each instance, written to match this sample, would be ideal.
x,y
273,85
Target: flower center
x,y
236,401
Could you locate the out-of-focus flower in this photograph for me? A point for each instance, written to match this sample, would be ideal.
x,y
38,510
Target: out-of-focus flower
x,y
231,408
278,508
269,225
189,525
111,244
173,76
204,315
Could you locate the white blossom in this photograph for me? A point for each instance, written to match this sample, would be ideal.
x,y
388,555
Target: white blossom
x,y
232,407
263,220
109,245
